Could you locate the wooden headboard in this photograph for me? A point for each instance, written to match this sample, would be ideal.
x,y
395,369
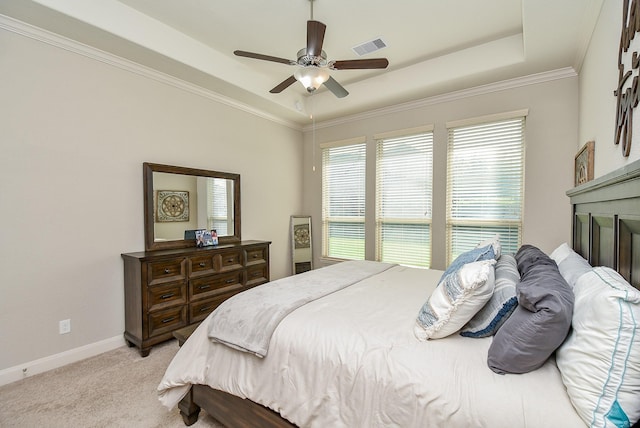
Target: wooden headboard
x,y
606,221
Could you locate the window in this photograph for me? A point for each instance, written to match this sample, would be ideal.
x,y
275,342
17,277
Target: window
x,y
343,200
219,209
404,168
485,181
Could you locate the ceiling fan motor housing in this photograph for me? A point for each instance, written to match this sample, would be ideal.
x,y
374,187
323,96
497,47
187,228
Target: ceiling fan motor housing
x,y
306,60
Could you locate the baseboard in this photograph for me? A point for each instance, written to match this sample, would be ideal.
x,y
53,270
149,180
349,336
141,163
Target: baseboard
x,y
13,374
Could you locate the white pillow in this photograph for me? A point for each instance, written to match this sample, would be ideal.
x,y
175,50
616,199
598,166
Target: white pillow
x,y
456,299
560,253
570,264
600,360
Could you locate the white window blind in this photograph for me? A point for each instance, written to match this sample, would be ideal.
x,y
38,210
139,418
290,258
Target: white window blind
x,y
485,185
343,201
219,208
404,169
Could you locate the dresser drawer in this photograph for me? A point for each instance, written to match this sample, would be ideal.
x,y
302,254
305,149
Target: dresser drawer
x,y
166,270
201,265
257,275
230,260
256,255
167,320
168,289
161,296
200,309
205,287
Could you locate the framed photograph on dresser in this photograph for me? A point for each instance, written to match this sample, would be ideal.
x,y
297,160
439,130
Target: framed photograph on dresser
x,y
204,238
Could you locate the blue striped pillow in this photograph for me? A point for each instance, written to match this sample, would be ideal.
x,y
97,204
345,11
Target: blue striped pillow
x,y
502,303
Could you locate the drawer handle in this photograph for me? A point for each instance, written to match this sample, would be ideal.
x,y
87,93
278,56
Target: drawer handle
x,y
204,287
230,281
230,261
166,296
166,320
255,274
167,270
202,264
205,309
255,256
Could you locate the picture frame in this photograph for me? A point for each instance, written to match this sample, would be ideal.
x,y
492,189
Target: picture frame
x,y
301,244
583,169
172,205
204,238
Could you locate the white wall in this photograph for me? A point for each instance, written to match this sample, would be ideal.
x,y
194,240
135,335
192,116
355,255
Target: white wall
x,y
598,80
551,135
75,132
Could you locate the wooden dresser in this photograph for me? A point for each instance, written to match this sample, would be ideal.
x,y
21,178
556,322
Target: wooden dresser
x,y
166,290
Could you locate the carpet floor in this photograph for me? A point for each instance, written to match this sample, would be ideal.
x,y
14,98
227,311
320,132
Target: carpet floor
x,y
114,389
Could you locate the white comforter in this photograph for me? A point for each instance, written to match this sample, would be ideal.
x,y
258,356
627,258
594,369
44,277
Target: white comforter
x,y
350,359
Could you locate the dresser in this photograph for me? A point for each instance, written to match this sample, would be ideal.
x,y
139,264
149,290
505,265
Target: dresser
x,y
166,290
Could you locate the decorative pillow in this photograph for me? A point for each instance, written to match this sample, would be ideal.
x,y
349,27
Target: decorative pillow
x,y
571,264
495,242
502,303
486,252
540,322
560,253
455,300
600,360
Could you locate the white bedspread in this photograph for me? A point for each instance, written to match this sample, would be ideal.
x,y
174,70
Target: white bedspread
x,y
247,321
350,359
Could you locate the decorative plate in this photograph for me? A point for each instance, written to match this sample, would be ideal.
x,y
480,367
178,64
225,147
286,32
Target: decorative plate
x,y
172,206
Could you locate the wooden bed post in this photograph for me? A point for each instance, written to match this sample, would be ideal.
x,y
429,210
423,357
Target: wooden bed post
x,y
188,409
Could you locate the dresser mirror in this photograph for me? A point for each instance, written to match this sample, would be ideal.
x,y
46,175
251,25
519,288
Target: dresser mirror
x,y
178,201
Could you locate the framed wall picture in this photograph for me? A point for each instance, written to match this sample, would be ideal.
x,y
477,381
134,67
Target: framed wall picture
x,y
584,164
172,205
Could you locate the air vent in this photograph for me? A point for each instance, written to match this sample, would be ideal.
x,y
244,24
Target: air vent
x,y
370,46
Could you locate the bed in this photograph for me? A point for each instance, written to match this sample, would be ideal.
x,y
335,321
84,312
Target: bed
x,y
352,358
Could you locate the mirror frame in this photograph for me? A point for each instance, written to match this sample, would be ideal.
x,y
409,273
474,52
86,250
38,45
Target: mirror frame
x,y
149,235
292,225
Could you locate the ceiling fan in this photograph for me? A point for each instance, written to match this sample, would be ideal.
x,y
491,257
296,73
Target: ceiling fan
x,y
312,65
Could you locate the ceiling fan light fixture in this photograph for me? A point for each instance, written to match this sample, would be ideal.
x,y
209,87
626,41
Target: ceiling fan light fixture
x,y
311,77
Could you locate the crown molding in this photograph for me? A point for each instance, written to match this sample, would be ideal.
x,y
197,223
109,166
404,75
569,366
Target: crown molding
x,y
518,82
39,34
50,38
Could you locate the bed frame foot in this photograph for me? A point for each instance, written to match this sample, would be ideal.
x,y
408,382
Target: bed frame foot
x,y
188,409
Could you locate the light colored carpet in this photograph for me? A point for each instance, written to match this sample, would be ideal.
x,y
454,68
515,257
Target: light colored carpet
x,y
114,389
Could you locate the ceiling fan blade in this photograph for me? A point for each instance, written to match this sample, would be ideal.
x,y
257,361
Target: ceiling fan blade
x,y
284,85
264,57
357,64
315,37
337,89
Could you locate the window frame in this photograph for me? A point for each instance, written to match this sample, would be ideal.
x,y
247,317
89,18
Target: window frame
x,y
326,218
486,227
423,140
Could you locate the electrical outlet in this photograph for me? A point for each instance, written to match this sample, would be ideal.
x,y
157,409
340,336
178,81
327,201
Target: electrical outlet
x,y
65,326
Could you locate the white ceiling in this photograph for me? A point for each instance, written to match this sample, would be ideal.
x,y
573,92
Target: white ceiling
x,y
433,46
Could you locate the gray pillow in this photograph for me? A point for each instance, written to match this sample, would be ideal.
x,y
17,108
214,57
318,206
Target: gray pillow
x,y
502,303
540,323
